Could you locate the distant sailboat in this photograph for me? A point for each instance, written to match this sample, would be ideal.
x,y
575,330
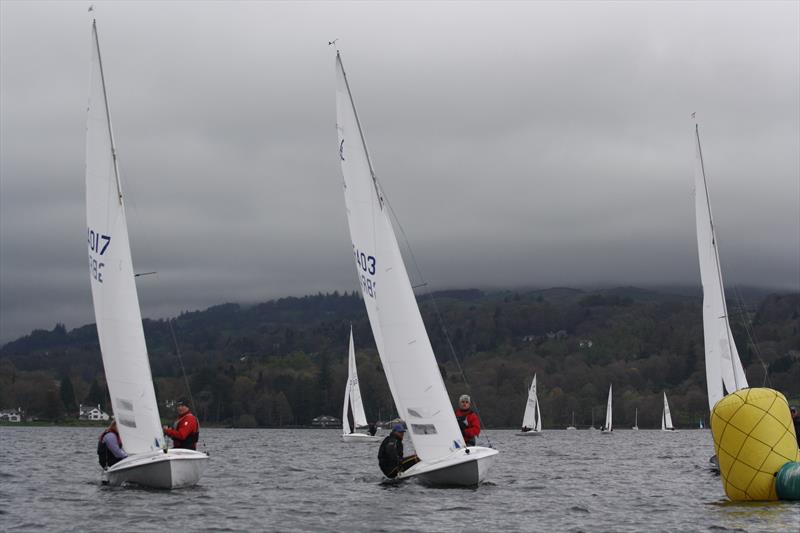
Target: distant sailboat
x,y
532,419
592,428
666,417
408,360
724,370
573,422
352,399
636,421
119,320
607,427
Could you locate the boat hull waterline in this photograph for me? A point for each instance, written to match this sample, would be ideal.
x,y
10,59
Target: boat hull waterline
x,y
172,470
465,467
361,437
531,433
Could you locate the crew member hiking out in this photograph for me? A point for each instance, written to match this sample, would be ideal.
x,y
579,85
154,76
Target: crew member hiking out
x,y
186,430
468,420
390,454
109,447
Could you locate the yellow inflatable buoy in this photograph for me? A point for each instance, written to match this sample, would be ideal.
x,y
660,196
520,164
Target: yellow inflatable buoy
x,y
753,437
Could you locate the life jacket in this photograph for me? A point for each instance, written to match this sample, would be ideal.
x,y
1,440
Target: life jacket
x,y
104,455
190,442
469,424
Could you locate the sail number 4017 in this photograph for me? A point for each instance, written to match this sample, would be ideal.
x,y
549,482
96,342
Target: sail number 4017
x,y
98,244
366,266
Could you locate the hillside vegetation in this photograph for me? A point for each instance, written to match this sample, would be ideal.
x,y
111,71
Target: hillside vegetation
x,y
284,362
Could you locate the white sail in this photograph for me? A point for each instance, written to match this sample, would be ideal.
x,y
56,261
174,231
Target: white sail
x,y
352,393
532,418
723,366
608,426
666,417
405,350
116,303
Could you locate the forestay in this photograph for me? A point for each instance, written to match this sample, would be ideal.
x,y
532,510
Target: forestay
x,y
116,303
405,350
723,366
352,393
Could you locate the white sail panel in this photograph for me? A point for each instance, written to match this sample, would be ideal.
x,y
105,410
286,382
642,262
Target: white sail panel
x,y
723,366
116,303
608,426
405,350
529,418
666,417
357,404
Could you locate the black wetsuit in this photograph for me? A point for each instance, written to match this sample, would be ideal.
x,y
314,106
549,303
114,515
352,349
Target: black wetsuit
x,y
390,455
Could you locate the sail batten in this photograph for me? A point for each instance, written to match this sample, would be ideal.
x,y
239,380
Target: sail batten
x,y
400,336
114,296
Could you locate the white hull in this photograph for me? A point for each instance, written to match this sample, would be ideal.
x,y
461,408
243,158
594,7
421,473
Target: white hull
x,y
606,432
571,428
361,437
669,430
465,467
635,428
531,433
172,470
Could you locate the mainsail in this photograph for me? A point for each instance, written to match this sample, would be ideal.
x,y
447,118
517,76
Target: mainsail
x,y
532,419
723,367
405,350
352,394
116,303
607,426
666,418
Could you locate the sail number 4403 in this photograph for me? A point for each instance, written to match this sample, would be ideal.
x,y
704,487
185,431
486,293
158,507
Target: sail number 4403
x,y
366,265
98,244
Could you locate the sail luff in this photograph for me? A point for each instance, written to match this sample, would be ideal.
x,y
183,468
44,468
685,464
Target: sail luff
x,y
114,296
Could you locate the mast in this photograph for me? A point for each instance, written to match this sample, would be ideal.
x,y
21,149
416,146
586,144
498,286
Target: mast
x,y
108,111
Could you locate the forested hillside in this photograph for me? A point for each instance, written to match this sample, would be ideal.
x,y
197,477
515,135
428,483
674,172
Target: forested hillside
x,y
285,361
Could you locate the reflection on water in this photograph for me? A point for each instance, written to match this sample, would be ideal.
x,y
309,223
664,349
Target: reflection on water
x,y
309,480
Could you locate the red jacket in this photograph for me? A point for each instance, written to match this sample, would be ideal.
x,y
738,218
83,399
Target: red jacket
x,y
186,432
473,428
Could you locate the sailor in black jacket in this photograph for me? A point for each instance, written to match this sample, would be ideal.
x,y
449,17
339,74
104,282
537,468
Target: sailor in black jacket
x,y
390,454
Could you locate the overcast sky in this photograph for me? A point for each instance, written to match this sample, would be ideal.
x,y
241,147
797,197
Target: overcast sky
x,y
521,144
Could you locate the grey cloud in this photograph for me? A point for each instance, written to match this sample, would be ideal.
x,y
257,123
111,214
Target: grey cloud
x,y
521,144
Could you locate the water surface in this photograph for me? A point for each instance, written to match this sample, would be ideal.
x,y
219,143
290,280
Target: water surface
x,y
308,480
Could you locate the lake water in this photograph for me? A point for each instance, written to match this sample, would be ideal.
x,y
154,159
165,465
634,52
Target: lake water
x,y
308,480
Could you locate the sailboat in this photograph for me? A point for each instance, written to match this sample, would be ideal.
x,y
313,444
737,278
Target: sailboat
x,y
405,350
592,428
119,320
571,427
636,420
724,371
352,399
607,427
666,417
532,419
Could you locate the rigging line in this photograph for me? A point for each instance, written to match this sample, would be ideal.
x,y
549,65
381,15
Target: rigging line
x,y
751,336
438,314
180,360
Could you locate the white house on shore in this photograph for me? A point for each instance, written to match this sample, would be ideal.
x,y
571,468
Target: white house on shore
x,y
11,415
89,412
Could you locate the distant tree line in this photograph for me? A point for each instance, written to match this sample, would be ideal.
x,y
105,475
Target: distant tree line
x,y
284,362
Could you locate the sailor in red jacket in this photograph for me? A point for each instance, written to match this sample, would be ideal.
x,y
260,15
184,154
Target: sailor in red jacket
x,y
468,420
186,430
